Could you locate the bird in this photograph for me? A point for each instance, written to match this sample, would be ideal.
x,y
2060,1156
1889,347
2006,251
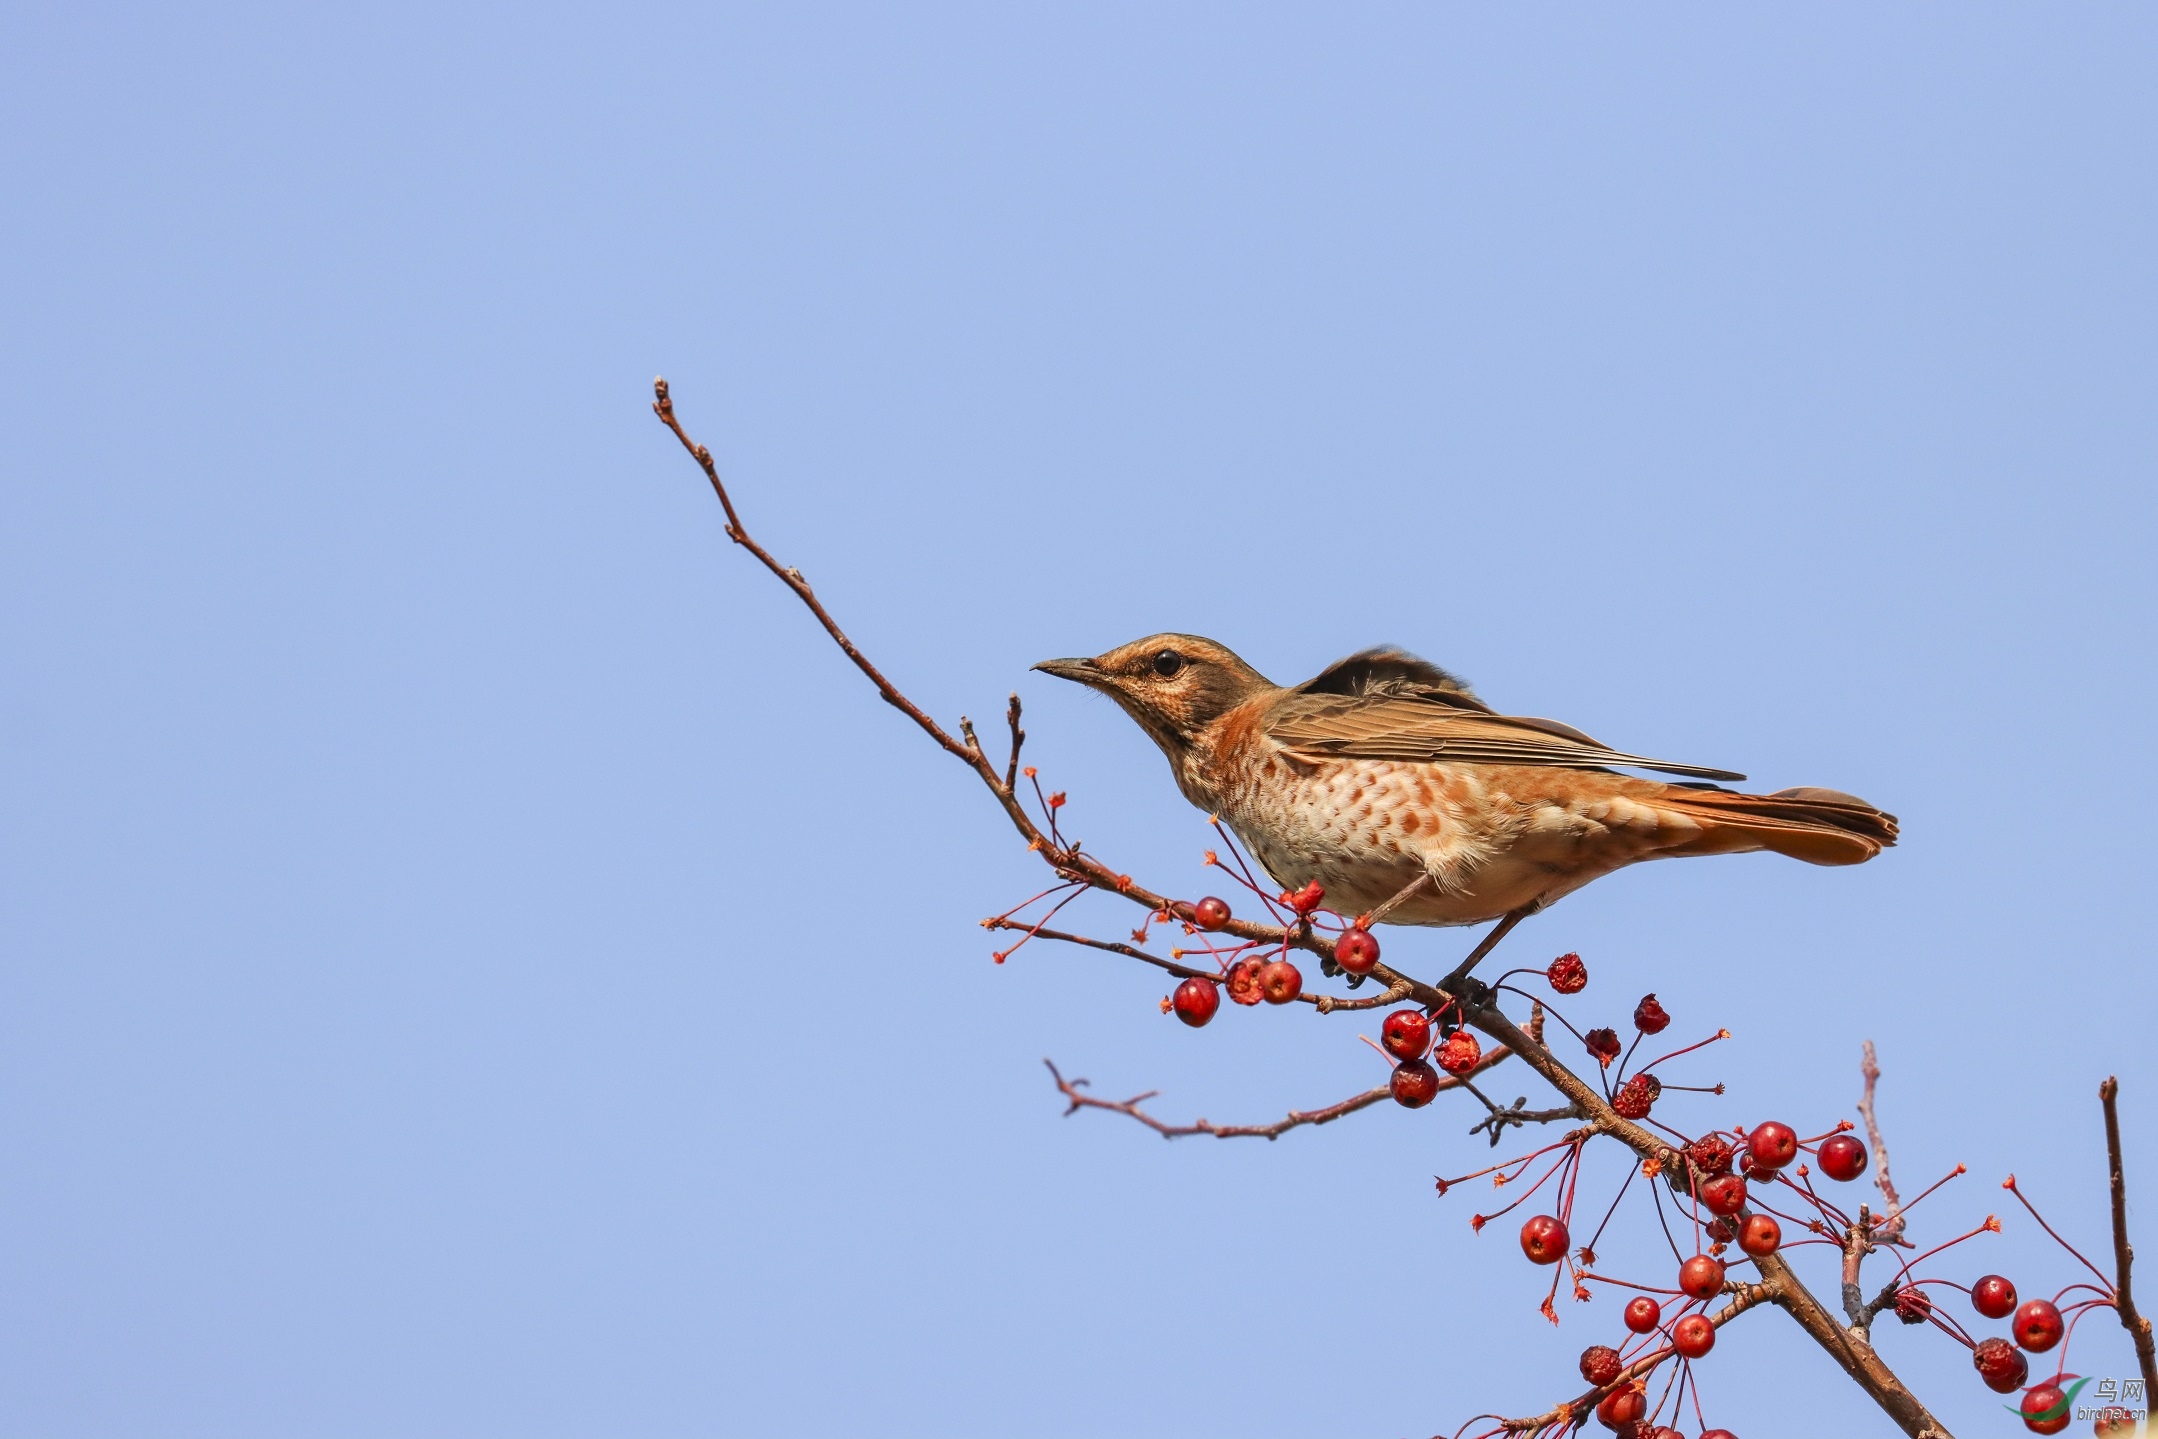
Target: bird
x,y
1387,782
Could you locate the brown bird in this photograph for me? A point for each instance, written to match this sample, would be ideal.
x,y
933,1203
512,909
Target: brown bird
x,y
1386,780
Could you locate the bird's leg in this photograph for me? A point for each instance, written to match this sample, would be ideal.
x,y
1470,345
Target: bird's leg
x,y
1408,891
1458,983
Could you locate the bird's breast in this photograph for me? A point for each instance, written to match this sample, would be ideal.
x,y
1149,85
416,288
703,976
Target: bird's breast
x,y
1361,828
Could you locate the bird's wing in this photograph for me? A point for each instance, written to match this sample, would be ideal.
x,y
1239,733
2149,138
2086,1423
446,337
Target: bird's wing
x,y
1422,728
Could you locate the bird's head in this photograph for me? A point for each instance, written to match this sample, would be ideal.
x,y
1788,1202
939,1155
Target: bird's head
x,y
1173,685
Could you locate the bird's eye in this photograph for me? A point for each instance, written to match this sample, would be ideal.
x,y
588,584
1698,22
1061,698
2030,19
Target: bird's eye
x,y
1167,663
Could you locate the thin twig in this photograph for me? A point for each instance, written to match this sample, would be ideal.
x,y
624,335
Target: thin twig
x,y
1019,738
1892,1220
1069,1088
2124,1254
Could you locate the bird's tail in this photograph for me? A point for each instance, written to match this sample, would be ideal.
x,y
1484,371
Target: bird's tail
x,y
1819,826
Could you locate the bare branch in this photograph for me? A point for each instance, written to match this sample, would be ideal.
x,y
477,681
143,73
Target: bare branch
x,y
1892,1220
1069,1088
2124,1254
1019,738
1130,1107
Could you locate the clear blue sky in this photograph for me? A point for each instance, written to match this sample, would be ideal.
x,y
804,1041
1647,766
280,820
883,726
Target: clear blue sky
x,y
477,963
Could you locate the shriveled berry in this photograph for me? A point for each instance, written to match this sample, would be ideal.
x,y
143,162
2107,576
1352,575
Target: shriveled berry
x,y
1842,1157
1643,1314
1725,1194
1281,980
1701,1277
1648,1016
1460,1052
1567,974
1196,1000
1543,1240
1210,913
1719,1230
1244,984
1760,1235
2037,1325
1693,1336
1305,900
2000,1364
1622,1409
1993,1297
1406,1034
1603,1045
1711,1154
1661,1431
1634,1099
1600,1364
1772,1145
1356,951
2049,1400
1912,1305
1415,1084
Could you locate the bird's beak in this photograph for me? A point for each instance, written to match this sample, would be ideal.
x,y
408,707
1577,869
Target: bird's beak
x,y
1086,672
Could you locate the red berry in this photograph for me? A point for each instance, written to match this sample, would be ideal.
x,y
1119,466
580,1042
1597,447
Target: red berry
x,y
1244,983
1622,1409
1643,1314
1693,1336
1634,1099
1760,1235
1210,913
1603,1045
1772,1145
1701,1277
1717,1434
1543,1240
1993,1297
1600,1364
2045,1399
1912,1305
1305,900
2000,1364
1406,1034
1648,1016
1196,1000
1356,951
2037,1326
1710,1154
1725,1194
1460,1053
1415,1084
1842,1157
1567,974
1281,980
2114,1423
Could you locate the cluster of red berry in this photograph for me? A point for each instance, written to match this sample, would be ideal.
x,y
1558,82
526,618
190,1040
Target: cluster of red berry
x,y
1249,979
1717,1178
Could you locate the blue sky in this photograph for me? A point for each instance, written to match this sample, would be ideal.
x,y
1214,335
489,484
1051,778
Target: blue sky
x,y
478,963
